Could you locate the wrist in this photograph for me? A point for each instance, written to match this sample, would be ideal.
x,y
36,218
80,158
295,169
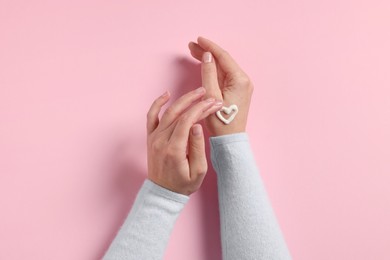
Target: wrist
x,y
219,129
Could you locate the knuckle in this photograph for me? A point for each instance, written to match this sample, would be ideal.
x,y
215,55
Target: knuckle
x,y
209,69
202,171
170,112
197,147
185,118
212,94
244,81
156,147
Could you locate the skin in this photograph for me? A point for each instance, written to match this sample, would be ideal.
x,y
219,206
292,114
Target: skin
x,y
223,80
175,143
176,148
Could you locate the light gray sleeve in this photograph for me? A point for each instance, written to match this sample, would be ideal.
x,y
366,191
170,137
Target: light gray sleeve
x,y
147,228
249,228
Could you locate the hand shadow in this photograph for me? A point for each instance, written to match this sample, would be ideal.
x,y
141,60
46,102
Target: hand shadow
x,y
189,78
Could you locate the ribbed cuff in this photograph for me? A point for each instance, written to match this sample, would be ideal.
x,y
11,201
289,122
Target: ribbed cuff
x,y
165,193
230,138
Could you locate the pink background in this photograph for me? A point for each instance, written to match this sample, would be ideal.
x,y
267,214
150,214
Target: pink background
x,y
76,81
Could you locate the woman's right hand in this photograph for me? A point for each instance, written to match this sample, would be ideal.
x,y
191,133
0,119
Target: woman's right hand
x,y
176,147
223,80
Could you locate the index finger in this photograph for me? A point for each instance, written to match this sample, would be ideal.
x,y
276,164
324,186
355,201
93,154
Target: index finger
x,y
225,61
182,128
210,76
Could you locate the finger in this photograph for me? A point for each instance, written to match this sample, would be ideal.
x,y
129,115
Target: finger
x,y
211,110
196,50
197,53
226,62
210,77
182,128
179,106
197,155
152,115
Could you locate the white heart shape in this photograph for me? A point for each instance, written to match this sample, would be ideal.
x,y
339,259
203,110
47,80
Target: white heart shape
x,y
228,110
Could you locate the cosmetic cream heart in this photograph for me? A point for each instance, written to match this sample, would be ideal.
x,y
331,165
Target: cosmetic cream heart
x,y
232,110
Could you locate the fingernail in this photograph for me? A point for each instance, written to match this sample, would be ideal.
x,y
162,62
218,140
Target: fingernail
x,y
218,103
207,57
210,100
199,90
197,130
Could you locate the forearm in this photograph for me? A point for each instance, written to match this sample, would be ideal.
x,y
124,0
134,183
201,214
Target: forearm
x,y
249,228
147,228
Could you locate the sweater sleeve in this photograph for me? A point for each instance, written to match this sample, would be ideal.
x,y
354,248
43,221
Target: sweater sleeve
x,y
147,228
249,228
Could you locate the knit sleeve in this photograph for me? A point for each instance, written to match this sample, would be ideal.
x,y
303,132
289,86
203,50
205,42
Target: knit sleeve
x,y
249,228
147,228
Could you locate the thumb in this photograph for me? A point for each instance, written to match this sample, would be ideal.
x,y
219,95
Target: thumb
x,y
197,155
210,77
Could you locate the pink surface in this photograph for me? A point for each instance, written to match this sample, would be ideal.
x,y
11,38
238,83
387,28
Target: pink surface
x,y
76,80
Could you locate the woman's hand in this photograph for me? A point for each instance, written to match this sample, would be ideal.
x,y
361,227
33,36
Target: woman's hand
x,y
176,147
223,80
